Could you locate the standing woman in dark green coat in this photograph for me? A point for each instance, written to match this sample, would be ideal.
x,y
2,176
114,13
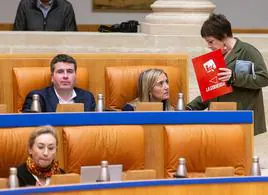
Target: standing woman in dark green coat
x,y
246,70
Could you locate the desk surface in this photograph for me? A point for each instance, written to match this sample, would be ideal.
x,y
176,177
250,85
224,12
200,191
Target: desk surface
x,y
126,118
232,185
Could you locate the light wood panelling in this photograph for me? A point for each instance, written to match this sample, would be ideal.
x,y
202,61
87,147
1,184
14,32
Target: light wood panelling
x,y
80,27
222,188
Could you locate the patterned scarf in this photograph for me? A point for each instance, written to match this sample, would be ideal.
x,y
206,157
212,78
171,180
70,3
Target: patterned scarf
x,y
52,169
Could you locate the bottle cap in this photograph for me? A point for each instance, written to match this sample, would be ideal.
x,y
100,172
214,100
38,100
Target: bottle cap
x,y
104,163
182,161
100,96
35,97
255,159
13,171
180,94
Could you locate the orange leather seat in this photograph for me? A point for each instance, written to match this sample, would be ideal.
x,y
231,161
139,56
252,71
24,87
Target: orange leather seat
x,y
14,147
26,79
89,145
121,84
207,146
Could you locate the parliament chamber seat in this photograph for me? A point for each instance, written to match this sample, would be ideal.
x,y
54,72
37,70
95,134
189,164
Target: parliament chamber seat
x,y
121,84
89,145
137,147
207,146
26,79
14,147
79,146
95,64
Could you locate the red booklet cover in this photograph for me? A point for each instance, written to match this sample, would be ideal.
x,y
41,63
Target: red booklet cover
x,y
206,68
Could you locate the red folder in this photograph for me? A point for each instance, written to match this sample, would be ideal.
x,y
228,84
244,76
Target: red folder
x,y
206,69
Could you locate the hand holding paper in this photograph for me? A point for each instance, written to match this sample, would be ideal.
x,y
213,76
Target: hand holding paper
x,y
225,74
212,74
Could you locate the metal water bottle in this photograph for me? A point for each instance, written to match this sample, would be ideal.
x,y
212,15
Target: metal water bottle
x,y
100,103
181,170
255,169
35,107
180,103
13,178
104,175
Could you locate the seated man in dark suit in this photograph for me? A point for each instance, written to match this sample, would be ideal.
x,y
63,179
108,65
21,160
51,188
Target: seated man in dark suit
x,y
63,76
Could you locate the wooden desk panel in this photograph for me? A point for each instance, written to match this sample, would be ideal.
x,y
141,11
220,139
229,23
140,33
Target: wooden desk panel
x,y
154,152
205,186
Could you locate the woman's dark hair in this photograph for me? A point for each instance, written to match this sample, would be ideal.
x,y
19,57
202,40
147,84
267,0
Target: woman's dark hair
x,y
217,26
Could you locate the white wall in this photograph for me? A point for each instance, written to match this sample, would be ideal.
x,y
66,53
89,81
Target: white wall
x,y
242,13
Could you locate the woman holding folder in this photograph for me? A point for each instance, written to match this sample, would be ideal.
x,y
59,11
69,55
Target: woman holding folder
x,y
246,70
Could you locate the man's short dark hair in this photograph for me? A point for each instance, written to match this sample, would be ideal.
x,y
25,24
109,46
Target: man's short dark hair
x,y
217,26
62,58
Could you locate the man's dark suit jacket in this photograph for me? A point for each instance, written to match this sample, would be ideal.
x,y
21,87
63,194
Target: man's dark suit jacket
x,y
49,99
25,177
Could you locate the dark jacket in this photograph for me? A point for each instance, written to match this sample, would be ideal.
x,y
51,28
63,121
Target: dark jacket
x,y
49,99
25,177
247,90
60,17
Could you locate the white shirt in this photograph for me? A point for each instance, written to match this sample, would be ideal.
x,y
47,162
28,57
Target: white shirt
x,y
62,101
44,8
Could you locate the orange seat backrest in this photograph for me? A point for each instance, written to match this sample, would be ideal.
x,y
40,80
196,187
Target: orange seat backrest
x,y
14,147
89,145
121,84
207,146
26,79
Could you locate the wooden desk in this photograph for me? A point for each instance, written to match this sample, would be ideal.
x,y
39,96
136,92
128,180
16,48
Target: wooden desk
x,y
204,186
152,122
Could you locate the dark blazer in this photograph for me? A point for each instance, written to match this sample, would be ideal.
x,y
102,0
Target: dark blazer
x,y
60,17
49,99
25,177
128,107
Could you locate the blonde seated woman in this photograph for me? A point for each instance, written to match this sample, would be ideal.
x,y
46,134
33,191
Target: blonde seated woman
x,y
40,164
152,87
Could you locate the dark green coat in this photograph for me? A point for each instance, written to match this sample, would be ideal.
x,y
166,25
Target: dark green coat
x,y
247,90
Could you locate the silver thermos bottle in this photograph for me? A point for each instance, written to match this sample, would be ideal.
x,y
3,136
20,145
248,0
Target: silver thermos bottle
x,y
13,178
181,170
104,175
255,169
100,103
180,103
35,107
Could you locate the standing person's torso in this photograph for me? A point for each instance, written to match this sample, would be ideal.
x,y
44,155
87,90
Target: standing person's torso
x,y
35,20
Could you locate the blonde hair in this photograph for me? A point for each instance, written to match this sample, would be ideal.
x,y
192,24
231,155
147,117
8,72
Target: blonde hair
x,y
40,131
146,82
